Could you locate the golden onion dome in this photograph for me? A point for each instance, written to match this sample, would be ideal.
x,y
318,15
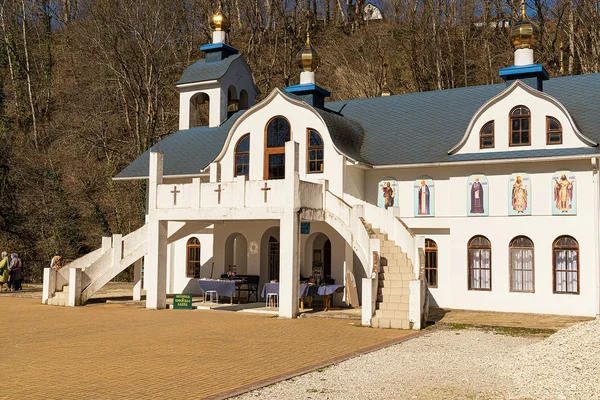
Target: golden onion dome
x,y
308,59
524,34
219,21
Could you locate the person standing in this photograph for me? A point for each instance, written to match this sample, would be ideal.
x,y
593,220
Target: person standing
x,y
4,271
56,262
15,269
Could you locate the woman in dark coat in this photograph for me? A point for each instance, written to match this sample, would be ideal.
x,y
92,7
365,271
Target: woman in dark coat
x,y
16,272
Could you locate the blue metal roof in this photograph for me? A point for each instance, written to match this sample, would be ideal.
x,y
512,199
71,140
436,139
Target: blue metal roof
x,y
201,70
186,152
421,127
416,128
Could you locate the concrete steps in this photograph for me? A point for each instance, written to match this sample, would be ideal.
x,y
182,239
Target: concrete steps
x,y
60,298
396,271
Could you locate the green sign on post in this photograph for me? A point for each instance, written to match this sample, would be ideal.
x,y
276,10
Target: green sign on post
x,y
182,302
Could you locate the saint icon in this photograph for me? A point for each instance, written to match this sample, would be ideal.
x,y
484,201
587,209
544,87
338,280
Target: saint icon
x,y
423,198
519,195
388,195
563,194
477,199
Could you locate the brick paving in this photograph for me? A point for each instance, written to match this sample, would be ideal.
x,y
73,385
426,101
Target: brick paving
x,y
114,351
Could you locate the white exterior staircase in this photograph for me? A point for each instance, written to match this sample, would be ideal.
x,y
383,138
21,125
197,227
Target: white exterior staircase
x,y
76,282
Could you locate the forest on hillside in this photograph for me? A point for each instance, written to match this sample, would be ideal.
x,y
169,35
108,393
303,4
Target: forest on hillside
x,y
88,85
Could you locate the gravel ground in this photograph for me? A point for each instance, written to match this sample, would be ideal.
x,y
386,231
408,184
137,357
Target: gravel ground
x,y
461,364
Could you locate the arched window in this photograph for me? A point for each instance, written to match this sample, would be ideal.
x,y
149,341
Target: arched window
x,y
521,265
565,259
553,131
193,258
486,136
277,134
431,263
242,156
520,129
315,152
480,263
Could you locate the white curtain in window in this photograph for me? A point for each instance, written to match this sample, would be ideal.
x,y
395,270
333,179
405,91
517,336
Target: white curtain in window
x,y
566,270
522,265
480,269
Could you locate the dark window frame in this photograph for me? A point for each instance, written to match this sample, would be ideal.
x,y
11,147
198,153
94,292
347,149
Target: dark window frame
x,y
483,136
550,131
191,264
431,252
274,150
241,153
521,117
516,245
477,246
561,247
315,149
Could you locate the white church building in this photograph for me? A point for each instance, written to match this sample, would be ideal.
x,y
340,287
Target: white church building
x,y
478,198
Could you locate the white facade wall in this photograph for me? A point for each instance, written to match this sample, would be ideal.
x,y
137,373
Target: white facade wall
x,y
177,280
451,229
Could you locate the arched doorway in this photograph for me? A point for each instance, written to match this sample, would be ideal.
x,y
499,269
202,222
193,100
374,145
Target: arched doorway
x,y
327,259
236,254
269,255
273,259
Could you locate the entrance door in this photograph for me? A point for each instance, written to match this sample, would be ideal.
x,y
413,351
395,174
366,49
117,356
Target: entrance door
x,y
327,259
273,259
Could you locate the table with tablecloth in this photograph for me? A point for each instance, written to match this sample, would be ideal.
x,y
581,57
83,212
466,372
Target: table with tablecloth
x,y
306,291
223,288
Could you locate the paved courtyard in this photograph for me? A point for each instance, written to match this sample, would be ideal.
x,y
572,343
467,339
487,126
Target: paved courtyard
x,y
114,351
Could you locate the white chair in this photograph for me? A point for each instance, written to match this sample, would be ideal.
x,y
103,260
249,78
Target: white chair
x,y
274,297
212,296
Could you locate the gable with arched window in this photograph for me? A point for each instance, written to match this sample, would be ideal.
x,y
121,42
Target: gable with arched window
x,y
278,132
520,126
242,156
553,131
521,265
480,263
486,136
565,260
193,263
315,152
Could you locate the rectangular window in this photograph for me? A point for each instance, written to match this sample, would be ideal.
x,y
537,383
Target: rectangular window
x,y
276,166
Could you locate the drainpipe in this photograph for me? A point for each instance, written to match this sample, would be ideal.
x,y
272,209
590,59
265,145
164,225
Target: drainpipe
x,y
596,180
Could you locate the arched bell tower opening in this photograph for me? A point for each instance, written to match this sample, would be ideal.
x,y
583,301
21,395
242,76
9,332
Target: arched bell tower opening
x,y
243,100
199,110
233,101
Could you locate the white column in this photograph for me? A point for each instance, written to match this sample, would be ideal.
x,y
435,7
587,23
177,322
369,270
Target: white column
x,y
218,37
137,280
74,287
155,269
523,57
307,77
289,232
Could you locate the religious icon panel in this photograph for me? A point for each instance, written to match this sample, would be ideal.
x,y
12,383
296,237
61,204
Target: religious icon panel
x,y
388,193
519,192
477,196
424,197
564,194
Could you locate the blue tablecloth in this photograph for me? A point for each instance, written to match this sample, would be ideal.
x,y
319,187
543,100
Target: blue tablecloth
x,y
328,289
223,288
305,290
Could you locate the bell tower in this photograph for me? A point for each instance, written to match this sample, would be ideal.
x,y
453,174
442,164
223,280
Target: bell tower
x,y
219,85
